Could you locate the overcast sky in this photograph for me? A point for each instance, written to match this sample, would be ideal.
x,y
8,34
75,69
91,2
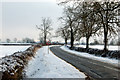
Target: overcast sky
x,y
19,18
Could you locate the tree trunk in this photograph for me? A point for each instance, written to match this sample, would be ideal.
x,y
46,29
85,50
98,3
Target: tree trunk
x,y
65,41
106,30
72,42
87,42
105,41
45,39
72,38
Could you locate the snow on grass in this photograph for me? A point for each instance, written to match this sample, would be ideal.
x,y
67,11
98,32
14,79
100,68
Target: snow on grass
x,y
16,43
47,65
110,47
87,55
8,50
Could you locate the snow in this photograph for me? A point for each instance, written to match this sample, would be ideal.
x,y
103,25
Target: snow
x,y
15,61
87,55
8,50
9,63
15,43
110,47
47,65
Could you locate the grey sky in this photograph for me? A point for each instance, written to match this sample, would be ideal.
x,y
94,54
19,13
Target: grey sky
x,y
19,18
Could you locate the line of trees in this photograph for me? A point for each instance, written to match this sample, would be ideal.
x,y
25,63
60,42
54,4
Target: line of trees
x,y
85,19
24,40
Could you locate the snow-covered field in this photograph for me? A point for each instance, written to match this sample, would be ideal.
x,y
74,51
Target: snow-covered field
x,y
110,47
83,54
8,50
47,65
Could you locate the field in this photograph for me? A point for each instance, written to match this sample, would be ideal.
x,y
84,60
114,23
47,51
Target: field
x,y
8,50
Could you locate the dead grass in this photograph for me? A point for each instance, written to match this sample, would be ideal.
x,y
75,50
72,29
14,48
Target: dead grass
x,y
21,58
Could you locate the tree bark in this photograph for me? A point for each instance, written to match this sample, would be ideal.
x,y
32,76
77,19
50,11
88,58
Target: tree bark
x,y
105,41
45,39
72,38
106,30
87,42
66,41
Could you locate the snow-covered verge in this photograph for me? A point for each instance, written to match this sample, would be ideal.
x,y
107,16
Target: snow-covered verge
x,y
9,50
101,47
108,53
46,65
15,43
87,55
12,66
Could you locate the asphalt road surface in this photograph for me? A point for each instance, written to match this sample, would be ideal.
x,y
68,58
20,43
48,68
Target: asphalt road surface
x,y
95,69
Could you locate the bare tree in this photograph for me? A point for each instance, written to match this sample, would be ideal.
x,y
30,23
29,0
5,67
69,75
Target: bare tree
x,y
102,16
70,21
88,22
45,27
110,21
15,40
84,24
106,13
41,38
118,42
64,33
28,40
8,40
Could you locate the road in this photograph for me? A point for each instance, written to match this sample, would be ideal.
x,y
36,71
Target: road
x,y
95,69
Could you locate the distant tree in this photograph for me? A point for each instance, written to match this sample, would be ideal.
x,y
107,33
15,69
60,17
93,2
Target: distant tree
x,y
64,33
19,41
8,40
41,38
45,27
95,42
88,25
70,21
28,40
15,40
23,41
118,43
112,42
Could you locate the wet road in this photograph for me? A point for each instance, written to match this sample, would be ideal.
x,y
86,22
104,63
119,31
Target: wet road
x,y
95,69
